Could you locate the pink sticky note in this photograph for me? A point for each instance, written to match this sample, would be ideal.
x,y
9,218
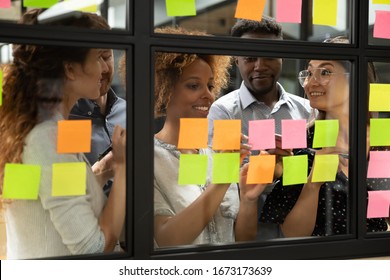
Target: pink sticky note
x,y
261,134
294,134
378,204
381,25
288,11
5,3
379,164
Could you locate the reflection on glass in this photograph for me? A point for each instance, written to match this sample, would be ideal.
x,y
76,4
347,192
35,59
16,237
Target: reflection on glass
x,y
378,179
59,112
114,11
309,23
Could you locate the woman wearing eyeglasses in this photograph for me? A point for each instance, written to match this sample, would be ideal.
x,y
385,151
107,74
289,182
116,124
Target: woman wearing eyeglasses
x,y
321,208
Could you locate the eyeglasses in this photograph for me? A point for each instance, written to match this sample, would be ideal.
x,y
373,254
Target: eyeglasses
x,y
321,75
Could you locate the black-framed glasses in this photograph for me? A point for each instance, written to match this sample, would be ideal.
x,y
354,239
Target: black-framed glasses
x,y
321,75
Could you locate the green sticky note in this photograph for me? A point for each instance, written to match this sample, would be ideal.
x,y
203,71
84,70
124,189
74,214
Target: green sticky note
x,y
226,168
69,179
325,133
176,8
325,168
192,169
295,170
379,98
1,87
39,3
21,181
379,132
325,12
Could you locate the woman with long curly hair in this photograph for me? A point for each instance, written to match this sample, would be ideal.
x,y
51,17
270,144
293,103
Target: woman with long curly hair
x,y
41,86
185,86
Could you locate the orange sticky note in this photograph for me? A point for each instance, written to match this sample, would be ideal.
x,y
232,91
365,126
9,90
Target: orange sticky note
x,y
261,169
250,9
227,135
193,133
74,136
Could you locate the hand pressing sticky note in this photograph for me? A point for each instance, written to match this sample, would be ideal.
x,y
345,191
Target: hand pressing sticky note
x,y
192,169
379,98
69,179
74,136
261,169
39,3
295,170
378,204
261,134
325,133
193,133
227,135
176,8
226,168
250,9
294,134
325,12
21,181
325,168
379,132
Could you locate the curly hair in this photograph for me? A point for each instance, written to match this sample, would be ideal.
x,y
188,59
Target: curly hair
x,y
168,67
33,86
267,25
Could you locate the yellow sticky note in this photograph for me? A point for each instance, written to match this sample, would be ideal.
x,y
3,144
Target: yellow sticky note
x,y
379,97
39,3
261,169
193,133
69,179
227,135
325,168
250,9
21,181
325,12
379,132
380,1
74,136
85,6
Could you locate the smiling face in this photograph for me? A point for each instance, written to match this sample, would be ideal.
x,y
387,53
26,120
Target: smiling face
x,y
328,87
260,74
192,94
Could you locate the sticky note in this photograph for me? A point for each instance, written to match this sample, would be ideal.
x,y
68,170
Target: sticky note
x,y
21,181
325,133
325,168
295,170
379,100
294,134
380,1
226,168
379,132
69,179
378,204
381,24
261,169
39,3
227,135
177,8
289,11
261,134
325,12
5,3
74,136
1,87
192,169
379,164
250,9
193,133
90,6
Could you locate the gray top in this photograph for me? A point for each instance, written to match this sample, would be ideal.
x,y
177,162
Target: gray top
x,y
54,226
171,198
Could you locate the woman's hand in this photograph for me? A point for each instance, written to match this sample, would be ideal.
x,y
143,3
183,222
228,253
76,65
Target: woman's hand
x,y
249,192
